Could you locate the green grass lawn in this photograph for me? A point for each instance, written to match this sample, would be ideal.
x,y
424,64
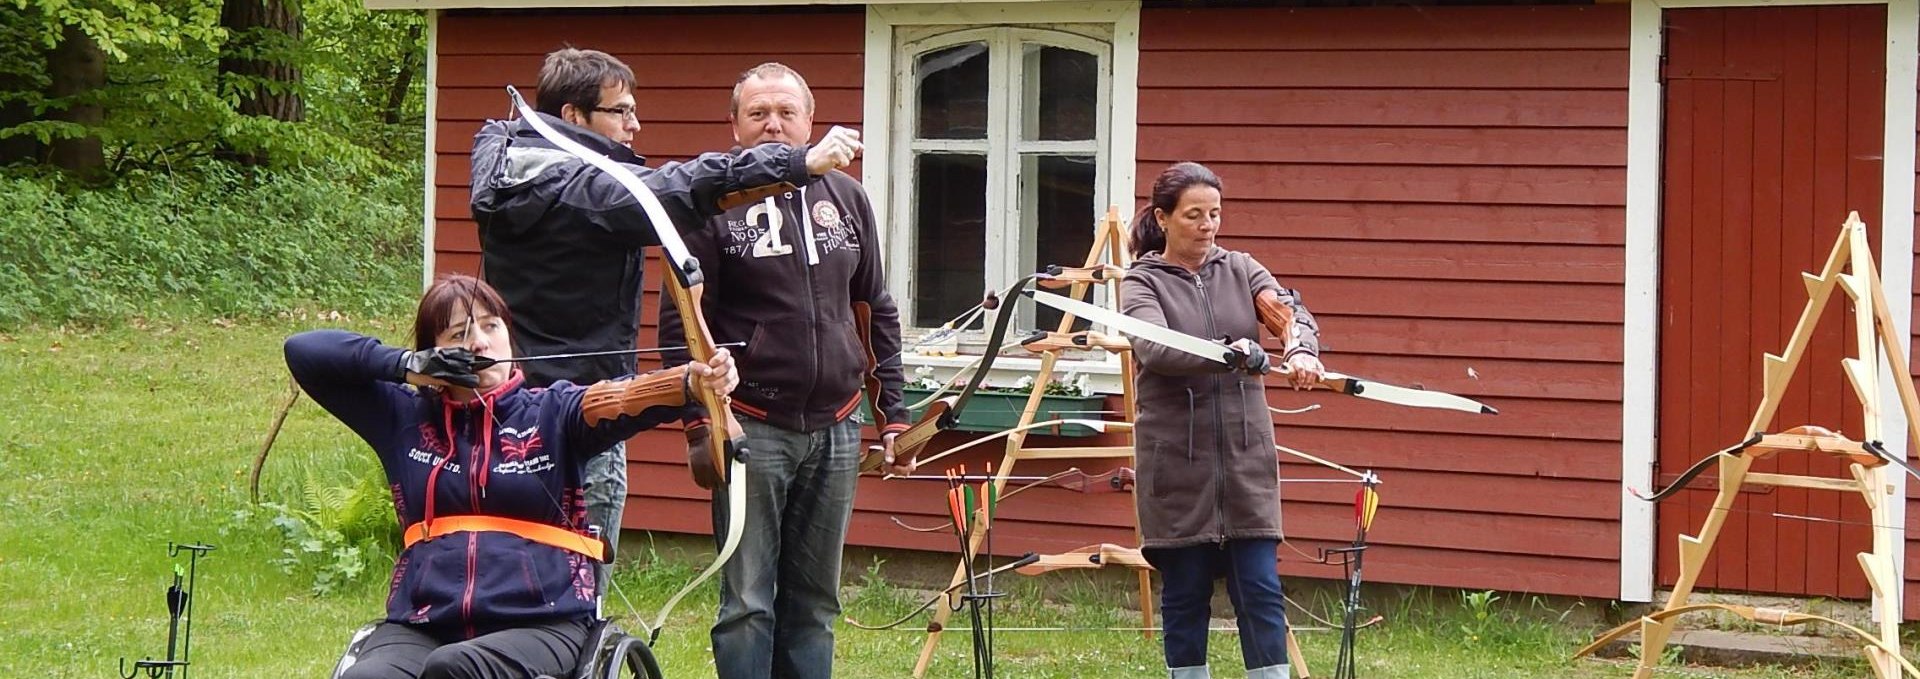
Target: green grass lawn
x,y
121,440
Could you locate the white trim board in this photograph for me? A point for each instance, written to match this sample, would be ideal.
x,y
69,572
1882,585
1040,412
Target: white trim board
x,y
565,4
428,229
1640,379
1896,236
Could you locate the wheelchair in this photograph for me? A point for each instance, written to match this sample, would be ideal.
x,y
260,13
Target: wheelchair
x,y
610,653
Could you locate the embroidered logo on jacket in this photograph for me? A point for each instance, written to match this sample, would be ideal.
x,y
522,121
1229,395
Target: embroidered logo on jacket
x,y
836,232
515,446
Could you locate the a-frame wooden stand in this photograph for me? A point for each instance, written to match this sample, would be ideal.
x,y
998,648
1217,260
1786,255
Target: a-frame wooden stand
x,y
1849,268
1106,263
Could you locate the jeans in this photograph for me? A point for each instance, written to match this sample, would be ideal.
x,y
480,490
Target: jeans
x,y
1253,584
607,495
780,594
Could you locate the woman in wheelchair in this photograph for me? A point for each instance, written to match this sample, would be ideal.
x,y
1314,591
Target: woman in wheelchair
x,y
497,578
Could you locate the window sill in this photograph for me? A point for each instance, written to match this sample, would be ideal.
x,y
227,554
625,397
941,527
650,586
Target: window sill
x,y
1102,370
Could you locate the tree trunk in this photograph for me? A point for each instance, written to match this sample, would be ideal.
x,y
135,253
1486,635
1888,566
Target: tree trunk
x,y
403,80
17,148
256,62
77,67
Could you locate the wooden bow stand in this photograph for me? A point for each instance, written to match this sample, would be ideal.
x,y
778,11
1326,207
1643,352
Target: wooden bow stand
x,y
1849,268
1106,263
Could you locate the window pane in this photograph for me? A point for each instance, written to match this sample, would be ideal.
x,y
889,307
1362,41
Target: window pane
x,y
950,236
1060,213
953,92
1062,93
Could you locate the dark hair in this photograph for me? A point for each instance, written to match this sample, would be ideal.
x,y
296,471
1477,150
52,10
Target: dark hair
x,y
1147,235
769,71
437,303
575,76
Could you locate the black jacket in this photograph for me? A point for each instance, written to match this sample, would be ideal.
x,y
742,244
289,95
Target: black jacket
x,y
782,276
561,240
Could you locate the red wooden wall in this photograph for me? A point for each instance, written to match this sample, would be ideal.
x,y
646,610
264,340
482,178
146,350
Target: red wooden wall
x,y
1446,186
1456,175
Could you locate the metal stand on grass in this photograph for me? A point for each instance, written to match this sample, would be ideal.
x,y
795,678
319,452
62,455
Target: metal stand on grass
x,y
179,608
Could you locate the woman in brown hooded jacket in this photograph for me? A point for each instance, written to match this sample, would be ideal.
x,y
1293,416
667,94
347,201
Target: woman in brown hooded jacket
x,y
1209,479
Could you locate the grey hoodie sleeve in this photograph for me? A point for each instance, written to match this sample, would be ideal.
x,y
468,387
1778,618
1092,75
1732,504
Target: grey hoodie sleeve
x,y
1139,299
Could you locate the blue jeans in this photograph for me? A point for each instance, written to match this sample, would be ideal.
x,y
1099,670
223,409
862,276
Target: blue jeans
x,y
780,594
606,493
1253,584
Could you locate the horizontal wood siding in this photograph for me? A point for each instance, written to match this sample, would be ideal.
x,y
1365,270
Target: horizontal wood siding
x,y
1446,186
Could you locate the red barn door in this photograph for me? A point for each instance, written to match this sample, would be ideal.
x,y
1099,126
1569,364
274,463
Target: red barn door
x,y
1773,131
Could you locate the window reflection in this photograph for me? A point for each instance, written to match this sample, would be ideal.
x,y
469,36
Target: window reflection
x,y
953,92
950,218
1059,212
1062,93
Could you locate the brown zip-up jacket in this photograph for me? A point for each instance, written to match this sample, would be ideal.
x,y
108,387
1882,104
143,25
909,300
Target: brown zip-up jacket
x,y
1203,440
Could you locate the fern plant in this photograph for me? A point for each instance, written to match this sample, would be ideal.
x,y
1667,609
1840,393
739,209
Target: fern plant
x,y
337,531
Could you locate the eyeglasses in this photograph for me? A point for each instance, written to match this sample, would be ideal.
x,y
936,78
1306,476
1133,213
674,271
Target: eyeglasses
x,y
622,111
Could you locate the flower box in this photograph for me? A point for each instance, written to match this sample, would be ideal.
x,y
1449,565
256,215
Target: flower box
x,y
993,411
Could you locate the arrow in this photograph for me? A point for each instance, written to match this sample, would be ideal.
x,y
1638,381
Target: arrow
x,y
484,362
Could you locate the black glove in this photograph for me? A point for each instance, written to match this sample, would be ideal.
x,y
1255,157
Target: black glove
x,y
1253,361
453,365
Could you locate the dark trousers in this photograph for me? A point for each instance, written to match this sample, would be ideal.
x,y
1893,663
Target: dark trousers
x,y
396,651
1253,585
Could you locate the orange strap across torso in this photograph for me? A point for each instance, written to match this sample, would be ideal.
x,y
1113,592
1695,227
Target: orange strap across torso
x,y
546,534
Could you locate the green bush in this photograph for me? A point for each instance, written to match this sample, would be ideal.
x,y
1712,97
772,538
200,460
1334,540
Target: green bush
x,y
223,243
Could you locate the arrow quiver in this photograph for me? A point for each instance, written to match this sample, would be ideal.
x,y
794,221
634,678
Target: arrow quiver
x,y
179,619
1850,269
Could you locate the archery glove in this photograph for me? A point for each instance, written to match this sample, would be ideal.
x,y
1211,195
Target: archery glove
x,y
454,365
1252,361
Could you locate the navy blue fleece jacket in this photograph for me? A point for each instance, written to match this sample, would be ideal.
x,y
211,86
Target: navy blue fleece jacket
x,y
515,452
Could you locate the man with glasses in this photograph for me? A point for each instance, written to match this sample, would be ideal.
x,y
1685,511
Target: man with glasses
x,y
563,242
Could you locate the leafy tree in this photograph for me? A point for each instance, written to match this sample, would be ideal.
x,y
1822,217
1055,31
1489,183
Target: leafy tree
x,y
119,85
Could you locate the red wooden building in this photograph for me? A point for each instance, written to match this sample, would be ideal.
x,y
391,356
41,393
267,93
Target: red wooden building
x,y
1600,210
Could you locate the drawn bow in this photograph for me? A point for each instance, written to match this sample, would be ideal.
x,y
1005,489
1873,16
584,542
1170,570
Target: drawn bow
x,y
1224,355
726,444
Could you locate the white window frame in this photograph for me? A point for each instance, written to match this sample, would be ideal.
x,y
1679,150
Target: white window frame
x,y
887,165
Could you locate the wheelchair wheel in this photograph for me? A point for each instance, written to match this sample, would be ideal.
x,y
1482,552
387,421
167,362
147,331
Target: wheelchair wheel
x,y
633,654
